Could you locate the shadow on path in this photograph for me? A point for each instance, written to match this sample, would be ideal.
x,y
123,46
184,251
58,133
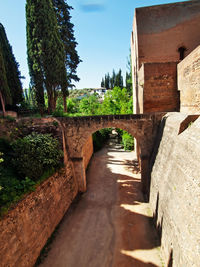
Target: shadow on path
x,y
110,225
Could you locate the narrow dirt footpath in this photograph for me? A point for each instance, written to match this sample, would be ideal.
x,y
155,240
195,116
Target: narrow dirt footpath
x,y
110,226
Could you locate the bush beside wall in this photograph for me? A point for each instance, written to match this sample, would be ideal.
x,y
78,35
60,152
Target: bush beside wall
x,y
26,228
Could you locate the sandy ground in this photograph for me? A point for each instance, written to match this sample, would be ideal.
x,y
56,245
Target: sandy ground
x,y
110,225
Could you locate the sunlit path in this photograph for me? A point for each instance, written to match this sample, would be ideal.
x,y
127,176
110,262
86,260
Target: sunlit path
x,y
110,225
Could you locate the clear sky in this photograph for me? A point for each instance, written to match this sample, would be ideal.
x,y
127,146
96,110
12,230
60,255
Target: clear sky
x,y
102,30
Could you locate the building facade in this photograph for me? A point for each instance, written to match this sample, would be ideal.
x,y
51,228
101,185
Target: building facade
x,y
162,37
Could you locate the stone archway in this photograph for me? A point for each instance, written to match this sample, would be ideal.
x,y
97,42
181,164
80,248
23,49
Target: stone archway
x,y
78,129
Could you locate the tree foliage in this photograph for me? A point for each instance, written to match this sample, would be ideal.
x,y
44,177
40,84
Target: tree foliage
x,y
46,58
35,154
117,101
67,36
89,105
116,80
10,84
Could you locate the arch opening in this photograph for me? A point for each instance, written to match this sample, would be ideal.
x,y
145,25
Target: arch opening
x,y
108,141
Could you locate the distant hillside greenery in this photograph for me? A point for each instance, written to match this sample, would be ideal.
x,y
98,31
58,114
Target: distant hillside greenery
x,y
86,103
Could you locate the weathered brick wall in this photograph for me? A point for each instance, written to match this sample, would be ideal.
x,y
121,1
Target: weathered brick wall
x,y
162,29
189,82
26,228
87,151
160,87
175,190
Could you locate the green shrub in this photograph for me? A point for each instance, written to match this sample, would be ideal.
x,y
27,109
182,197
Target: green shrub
x,y
1,159
11,188
58,113
127,141
100,137
35,154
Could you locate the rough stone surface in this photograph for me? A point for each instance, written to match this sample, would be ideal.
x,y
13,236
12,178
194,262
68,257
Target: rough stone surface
x,y
162,29
26,228
87,151
78,129
175,189
158,34
189,82
159,88
110,225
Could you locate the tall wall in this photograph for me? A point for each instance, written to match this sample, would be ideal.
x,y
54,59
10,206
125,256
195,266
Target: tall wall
x,y
28,225
158,34
26,228
175,189
162,29
189,82
157,88
160,87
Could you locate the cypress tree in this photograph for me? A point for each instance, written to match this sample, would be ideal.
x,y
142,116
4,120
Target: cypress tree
x,y
5,96
119,79
45,51
14,93
67,36
112,80
102,83
107,81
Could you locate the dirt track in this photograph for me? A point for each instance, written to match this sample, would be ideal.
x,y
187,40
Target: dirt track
x,y
110,224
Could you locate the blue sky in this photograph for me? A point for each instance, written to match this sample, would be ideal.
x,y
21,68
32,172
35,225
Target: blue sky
x,y
102,30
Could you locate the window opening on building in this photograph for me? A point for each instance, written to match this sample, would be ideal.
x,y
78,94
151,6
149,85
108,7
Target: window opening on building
x,y
181,51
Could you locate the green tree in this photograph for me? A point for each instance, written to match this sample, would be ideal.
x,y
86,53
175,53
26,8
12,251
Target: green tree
x,y
46,58
89,105
119,79
4,89
107,81
102,83
11,87
112,80
117,101
67,36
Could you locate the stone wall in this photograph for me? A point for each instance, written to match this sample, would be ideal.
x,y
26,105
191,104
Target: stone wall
x,y
87,151
175,189
160,87
162,34
189,82
26,228
163,29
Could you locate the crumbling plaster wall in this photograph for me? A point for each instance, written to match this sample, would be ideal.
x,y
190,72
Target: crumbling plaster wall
x,y
175,189
162,29
189,82
160,92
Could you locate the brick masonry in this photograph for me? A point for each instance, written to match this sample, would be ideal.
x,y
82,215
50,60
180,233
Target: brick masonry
x,y
158,34
175,189
160,87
